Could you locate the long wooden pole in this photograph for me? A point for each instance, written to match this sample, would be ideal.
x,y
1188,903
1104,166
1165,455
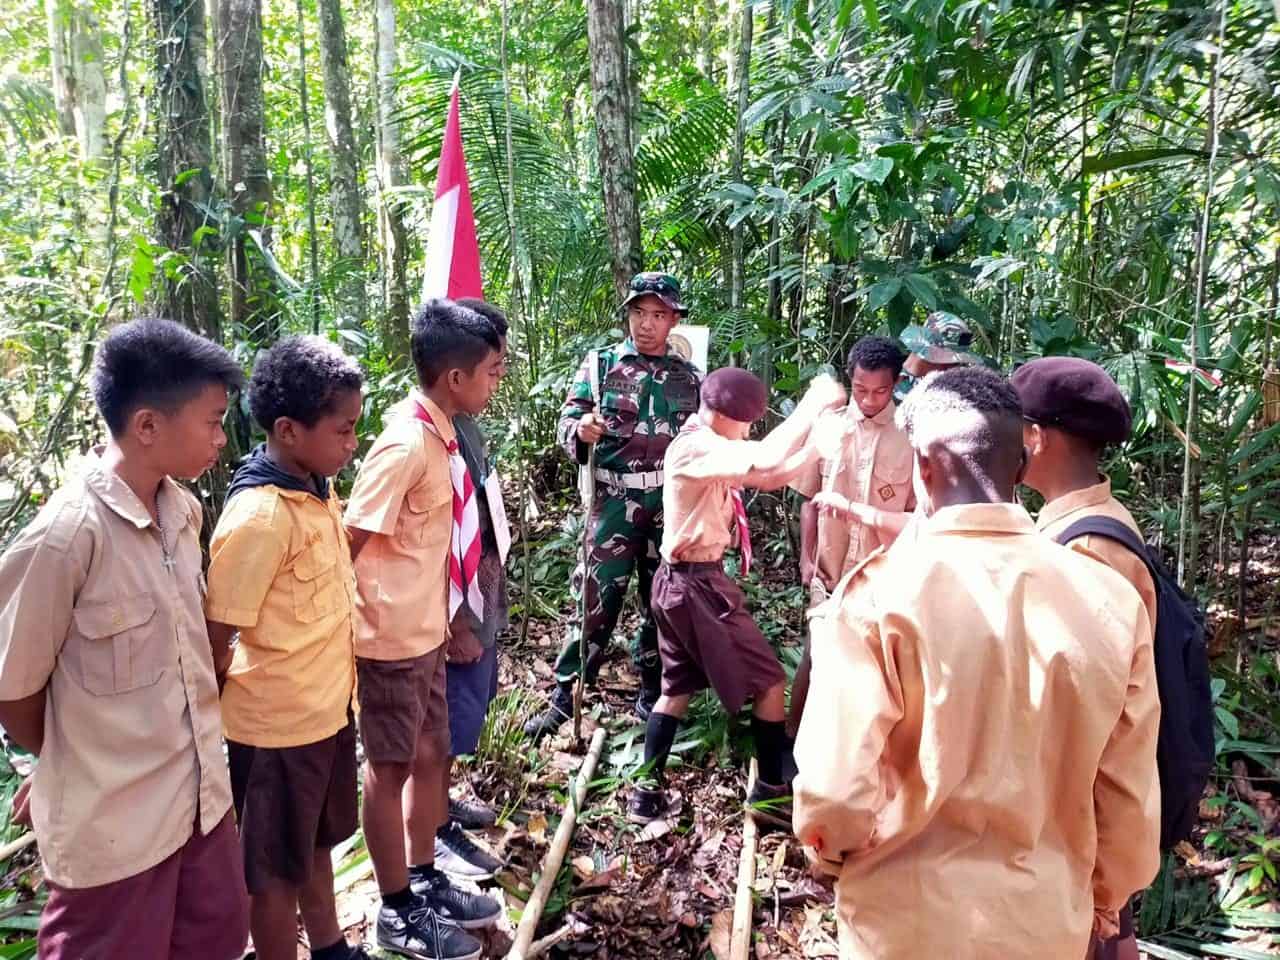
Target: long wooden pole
x,y
521,948
743,905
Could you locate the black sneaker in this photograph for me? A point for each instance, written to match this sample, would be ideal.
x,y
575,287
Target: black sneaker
x,y
471,911
472,814
646,804
421,933
459,856
770,804
558,711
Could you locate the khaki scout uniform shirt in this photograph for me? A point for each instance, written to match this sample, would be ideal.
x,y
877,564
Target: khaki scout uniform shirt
x,y
977,757
280,570
133,736
1093,501
702,470
865,460
403,493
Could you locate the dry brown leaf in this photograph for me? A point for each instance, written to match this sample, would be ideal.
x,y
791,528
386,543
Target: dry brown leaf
x,y
763,951
655,830
537,828
689,919
709,852
710,891
721,934
584,867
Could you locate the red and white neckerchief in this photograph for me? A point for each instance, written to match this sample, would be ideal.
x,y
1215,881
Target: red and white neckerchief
x,y
464,551
739,509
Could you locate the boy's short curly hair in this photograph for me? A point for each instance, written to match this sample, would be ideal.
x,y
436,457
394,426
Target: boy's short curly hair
x,y
876,353
300,378
156,363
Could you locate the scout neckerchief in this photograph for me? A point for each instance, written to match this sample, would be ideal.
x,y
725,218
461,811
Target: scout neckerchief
x,y
739,510
464,552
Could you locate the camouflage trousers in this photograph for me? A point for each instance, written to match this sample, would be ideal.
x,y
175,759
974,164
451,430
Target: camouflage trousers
x,y
625,531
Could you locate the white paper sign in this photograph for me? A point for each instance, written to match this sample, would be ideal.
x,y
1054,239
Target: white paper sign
x,y
498,513
692,343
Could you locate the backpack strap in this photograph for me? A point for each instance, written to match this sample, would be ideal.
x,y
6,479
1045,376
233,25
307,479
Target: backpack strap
x,y
1112,529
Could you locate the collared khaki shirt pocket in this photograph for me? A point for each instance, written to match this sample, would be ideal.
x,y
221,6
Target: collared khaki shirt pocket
x,y
891,479
315,582
420,503
118,644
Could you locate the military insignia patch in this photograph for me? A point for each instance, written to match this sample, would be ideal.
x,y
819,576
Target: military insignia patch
x,y
886,492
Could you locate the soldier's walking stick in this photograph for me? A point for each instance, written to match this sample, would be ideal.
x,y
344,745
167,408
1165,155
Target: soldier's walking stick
x,y
580,689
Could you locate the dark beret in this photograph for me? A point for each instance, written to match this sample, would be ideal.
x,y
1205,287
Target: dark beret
x,y
735,393
1075,396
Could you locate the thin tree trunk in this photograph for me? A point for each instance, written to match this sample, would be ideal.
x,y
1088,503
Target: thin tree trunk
x,y
742,73
609,90
184,160
313,240
344,181
247,178
79,73
1189,518
390,176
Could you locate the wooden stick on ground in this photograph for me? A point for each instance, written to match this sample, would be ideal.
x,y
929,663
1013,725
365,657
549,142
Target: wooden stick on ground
x,y
743,905
9,849
520,949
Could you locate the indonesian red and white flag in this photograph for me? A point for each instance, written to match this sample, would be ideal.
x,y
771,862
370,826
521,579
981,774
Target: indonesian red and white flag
x,y
453,254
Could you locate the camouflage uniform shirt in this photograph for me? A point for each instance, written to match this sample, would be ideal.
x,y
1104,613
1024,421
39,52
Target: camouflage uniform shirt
x,y
644,402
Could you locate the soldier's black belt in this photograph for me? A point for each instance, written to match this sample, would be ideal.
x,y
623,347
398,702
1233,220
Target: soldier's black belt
x,y
631,481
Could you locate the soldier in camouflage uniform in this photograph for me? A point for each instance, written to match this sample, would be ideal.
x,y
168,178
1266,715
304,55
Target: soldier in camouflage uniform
x,y
646,393
944,341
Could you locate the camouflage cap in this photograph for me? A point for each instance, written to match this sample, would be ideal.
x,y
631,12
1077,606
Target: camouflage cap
x,y
661,285
944,338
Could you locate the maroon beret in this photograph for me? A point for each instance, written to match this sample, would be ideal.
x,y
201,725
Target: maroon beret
x,y
1075,396
735,393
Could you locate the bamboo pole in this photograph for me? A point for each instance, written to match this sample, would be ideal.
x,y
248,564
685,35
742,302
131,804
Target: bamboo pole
x,y
9,849
740,936
521,949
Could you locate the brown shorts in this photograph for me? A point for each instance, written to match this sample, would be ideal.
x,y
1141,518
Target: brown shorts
x,y
400,702
192,904
290,802
707,638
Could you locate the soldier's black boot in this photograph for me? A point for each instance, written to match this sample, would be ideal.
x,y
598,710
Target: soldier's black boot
x,y
650,689
558,711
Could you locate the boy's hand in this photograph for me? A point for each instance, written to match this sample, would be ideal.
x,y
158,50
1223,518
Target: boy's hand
x,y
833,504
590,428
464,645
21,813
824,393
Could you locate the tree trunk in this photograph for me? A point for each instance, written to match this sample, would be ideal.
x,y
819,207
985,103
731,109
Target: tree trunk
x,y
395,238
247,178
79,73
609,83
344,180
742,74
184,161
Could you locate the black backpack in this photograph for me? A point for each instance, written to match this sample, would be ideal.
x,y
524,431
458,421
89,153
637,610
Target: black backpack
x,y
1185,750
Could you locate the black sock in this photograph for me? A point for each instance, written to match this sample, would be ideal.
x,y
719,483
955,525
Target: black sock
x,y
334,951
659,735
398,900
771,741
422,872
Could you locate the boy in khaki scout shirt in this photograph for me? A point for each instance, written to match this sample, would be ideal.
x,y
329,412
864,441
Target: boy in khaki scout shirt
x,y
280,574
977,759
411,504
859,488
1073,411
106,671
705,635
